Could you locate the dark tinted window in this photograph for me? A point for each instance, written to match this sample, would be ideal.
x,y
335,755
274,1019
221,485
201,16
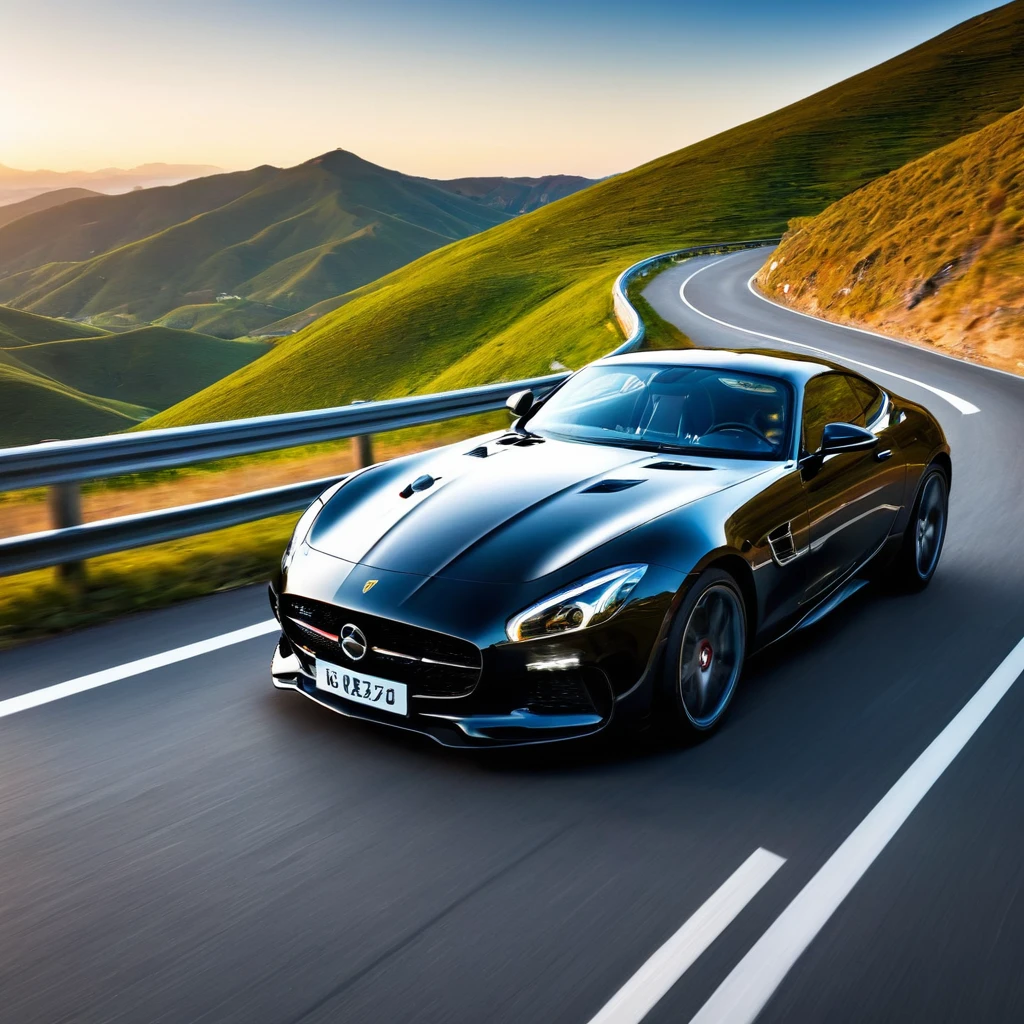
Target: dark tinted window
x,y
659,407
869,396
829,399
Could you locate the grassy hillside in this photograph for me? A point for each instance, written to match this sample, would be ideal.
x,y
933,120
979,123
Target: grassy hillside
x,y
19,328
506,302
230,318
152,367
60,379
44,201
37,409
298,236
933,251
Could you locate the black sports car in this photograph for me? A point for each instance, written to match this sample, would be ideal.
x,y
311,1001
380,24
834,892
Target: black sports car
x,y
617,553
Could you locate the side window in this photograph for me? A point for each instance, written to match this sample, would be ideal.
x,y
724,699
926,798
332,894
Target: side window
x,y
870,399
828,399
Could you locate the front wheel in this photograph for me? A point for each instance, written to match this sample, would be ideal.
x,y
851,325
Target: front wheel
x,y
705,654
915,564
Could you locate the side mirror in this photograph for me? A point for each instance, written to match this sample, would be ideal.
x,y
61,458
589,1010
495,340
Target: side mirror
x,y
845,437
520,403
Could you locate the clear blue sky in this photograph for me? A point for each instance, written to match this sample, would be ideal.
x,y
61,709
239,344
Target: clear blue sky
x,y
433,87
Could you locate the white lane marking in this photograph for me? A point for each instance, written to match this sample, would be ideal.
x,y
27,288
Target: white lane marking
x,y
960,404
881,337
749,986
57,691
668,964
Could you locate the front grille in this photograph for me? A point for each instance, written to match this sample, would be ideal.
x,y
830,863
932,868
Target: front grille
x,y
432,664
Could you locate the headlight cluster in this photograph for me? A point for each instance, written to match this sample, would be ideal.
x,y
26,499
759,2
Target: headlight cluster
x,y
586,603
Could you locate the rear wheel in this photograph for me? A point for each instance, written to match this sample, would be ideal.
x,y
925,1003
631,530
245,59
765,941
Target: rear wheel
x,y
706,650
918,557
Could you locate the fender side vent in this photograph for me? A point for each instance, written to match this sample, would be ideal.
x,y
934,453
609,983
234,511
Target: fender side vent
x,y
678,466
479,453
610,486
780,540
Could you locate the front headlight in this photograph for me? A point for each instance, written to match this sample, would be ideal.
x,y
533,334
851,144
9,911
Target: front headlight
x,y
586,603
302,528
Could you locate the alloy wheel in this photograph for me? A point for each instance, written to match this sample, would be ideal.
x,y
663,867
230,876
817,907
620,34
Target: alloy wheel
x,y
711,655
930,526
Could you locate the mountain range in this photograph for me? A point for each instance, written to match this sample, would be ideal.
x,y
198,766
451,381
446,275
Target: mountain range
x,y
229,254
16,185
504,303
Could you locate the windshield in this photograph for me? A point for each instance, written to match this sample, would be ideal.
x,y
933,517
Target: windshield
x,y
669,408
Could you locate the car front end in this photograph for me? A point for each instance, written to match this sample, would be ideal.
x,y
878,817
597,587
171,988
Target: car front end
x,y
468,664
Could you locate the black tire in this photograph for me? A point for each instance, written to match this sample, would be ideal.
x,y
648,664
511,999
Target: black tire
x,y
914,565
698,681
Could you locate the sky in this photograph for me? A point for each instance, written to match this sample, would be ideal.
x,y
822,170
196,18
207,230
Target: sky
x,y
441,88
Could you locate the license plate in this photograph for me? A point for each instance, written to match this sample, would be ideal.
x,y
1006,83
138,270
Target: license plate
x,y
362,688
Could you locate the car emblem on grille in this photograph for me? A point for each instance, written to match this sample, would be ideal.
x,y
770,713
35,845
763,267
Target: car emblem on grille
x,y
369,585
353,641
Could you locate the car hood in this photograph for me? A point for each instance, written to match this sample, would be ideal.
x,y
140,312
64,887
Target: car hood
x,y
506,509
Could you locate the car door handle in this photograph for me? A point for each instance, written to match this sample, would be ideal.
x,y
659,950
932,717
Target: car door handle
x,y
885,453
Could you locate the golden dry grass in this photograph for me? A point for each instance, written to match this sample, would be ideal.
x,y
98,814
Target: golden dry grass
x,y
933,252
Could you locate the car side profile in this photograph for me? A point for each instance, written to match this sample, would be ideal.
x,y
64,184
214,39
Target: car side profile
x,y
616,554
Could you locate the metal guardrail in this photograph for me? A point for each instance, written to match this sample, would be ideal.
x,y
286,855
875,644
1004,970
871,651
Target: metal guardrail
x,y
62,465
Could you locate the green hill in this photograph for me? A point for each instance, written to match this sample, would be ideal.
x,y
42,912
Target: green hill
x,y
20,328
60,379
44,201
152,367
506,302
36,408
933,251
286,239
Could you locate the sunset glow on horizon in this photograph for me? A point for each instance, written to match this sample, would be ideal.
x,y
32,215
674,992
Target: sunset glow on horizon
x,y
442,89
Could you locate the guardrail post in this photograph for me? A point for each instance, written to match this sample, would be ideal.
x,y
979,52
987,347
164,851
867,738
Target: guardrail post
x,y
362,450
65,501
362,444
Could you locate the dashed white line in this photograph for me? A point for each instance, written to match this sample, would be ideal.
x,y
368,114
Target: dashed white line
x,y
668,964
751,983
12,705
960,404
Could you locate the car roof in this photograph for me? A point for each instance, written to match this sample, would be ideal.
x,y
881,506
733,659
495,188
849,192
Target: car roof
x,y
796,369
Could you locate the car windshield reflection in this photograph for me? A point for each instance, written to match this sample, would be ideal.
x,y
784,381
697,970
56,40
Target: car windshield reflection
x,y
695,409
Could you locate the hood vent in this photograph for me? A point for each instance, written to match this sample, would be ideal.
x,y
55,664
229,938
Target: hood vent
x,y
520,440
679,466
480,452
610,486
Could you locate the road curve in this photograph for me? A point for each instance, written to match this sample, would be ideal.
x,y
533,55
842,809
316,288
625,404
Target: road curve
x,y
186,844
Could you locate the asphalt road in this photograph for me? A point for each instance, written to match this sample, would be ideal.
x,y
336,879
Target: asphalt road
x,y
187,844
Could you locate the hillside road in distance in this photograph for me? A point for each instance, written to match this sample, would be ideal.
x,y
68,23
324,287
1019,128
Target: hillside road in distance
x,y
180,842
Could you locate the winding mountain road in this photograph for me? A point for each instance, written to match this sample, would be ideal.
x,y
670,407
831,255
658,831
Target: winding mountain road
x,y
180,842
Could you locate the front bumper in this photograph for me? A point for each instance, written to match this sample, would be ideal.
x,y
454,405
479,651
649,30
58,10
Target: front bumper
x,y
539,691
567,702
451,727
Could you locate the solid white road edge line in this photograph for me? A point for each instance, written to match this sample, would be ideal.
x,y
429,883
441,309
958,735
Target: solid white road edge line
x,y
881,337
751,983
960,404
47,694
668,964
